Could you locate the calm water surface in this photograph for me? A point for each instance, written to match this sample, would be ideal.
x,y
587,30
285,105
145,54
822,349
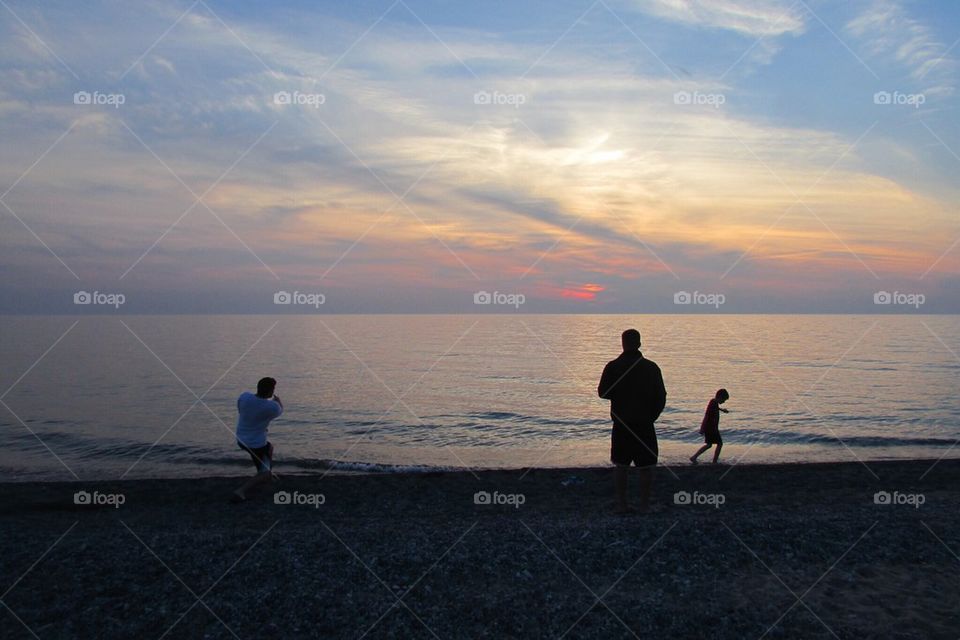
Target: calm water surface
x,y
119,395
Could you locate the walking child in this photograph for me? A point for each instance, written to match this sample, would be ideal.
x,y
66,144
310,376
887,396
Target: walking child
x,y
710,427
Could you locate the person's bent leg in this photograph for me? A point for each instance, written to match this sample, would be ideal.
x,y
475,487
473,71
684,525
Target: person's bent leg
x,y
260,478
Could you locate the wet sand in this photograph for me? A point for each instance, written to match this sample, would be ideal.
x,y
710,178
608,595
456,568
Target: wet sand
x,y
776,551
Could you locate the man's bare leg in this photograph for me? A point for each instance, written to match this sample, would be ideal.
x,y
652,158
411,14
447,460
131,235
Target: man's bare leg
x,y
646,486
620,473
261,477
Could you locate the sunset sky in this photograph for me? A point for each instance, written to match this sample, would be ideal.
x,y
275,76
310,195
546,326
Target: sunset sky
x,y
593,157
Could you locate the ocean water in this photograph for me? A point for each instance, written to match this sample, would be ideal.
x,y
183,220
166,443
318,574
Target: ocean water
x,y
100,397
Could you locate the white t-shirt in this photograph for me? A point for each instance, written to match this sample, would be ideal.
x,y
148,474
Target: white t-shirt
x,y
254,419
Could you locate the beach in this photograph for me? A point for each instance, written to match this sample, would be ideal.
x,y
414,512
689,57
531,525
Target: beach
x,y
844,550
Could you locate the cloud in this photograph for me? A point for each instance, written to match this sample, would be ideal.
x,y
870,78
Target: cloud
x,y
748,17
890,33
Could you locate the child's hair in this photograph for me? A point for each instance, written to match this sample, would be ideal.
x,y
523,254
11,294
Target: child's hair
x,y
722,393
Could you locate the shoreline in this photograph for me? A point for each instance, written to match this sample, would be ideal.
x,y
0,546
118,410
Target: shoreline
x,y
398,554
411,469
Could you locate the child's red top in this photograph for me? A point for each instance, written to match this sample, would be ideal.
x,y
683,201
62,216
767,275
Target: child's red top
x,y
711,418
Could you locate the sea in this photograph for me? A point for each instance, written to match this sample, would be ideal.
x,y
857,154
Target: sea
x,y
102,397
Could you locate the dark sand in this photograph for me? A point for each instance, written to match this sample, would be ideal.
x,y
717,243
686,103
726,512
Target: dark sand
x,y
796,551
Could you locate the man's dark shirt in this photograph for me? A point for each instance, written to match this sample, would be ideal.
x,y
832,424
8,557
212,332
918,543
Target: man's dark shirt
x,y
634,386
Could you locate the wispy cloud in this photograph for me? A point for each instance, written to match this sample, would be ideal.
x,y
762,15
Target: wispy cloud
x,y
747,17
890,33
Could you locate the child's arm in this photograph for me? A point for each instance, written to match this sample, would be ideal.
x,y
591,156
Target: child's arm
x,y
724,410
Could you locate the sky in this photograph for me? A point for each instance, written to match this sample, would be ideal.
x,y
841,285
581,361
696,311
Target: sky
x,y
608,156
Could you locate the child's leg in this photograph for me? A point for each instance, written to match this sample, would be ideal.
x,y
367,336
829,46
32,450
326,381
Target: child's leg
x,y
716,454
699,451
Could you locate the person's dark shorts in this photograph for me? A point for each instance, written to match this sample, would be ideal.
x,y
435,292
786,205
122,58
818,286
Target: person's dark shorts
x,y
634,444
260,456
712,437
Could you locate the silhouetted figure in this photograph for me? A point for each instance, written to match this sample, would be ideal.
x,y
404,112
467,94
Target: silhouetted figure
x,y
634,386
253,421
710,427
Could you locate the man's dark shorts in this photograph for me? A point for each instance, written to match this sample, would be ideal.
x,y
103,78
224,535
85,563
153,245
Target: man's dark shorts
x,y
260,455
635,443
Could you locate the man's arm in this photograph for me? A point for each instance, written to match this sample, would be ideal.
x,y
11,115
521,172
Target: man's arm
x,y
606,382
276,399
659,394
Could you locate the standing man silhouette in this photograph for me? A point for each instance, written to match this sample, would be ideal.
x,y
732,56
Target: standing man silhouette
x,y
634,387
